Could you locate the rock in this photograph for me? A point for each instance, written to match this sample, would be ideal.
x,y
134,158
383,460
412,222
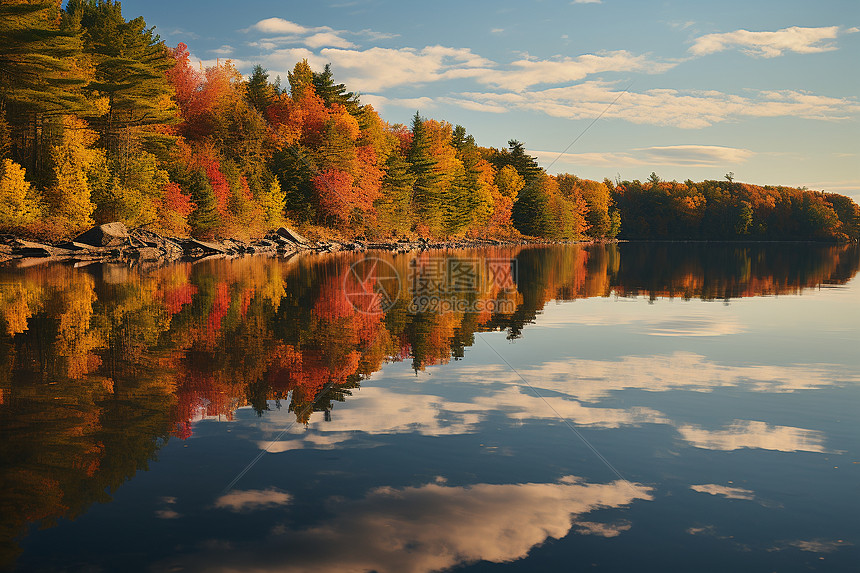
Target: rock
x,y
107,235
74,246
206,246
292,236
30,249
146,254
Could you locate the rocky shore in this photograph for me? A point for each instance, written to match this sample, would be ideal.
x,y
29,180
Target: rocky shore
x,y
113,242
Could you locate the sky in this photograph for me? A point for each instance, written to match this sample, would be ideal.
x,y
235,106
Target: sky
x,y
766,89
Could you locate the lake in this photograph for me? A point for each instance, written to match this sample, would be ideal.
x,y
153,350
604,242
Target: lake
x,y
633,406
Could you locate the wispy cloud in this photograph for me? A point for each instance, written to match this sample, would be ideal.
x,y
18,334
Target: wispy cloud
x,y
672,155
525,73
685,109
418,103
586,2
770,44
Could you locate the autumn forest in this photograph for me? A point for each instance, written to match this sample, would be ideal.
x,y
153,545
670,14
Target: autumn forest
x,y
101,121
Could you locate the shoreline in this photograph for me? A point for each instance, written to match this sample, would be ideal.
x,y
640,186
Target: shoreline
x,y
113,243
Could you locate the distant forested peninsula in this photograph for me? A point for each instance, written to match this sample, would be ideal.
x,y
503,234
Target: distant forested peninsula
x,y
101,121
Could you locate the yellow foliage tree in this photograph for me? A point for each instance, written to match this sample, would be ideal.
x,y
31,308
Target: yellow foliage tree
x,y
19,203
74,160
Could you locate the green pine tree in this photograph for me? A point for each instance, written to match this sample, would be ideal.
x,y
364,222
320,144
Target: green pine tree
x,y
394,205
40,79
331,92
130,64
426,195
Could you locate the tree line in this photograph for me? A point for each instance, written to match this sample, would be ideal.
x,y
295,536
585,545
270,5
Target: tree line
x,y
101,121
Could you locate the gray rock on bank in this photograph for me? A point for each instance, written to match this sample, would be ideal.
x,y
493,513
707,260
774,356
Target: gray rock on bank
x,y
107,235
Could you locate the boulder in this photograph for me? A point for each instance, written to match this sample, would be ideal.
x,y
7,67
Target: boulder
x,y
292,236
107,235
146,254
206,246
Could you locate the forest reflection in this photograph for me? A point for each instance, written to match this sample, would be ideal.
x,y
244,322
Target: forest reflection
x,y
101,365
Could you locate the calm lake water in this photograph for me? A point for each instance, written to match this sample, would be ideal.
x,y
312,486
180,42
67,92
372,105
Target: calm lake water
x,y
631,407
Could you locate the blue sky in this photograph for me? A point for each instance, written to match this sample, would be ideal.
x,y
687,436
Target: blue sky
x,y
766,89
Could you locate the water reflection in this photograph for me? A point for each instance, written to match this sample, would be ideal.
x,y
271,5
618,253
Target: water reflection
x,y
419,529
101,366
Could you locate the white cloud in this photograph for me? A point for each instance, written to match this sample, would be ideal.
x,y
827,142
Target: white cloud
x,y
845,186
586,2
684,109
431,527
726,491
753,434
769,44
373,35
673,155
379,68
696,155
418,103
473,105
251,499
279,26
529,72
328,39
314,37
224,50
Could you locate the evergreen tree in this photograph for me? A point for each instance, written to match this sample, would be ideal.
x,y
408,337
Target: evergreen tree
x,y
332,93
516,157
41,78
426,196
130,67
204,219
457,202
393,207
295,174
259,91
531,213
